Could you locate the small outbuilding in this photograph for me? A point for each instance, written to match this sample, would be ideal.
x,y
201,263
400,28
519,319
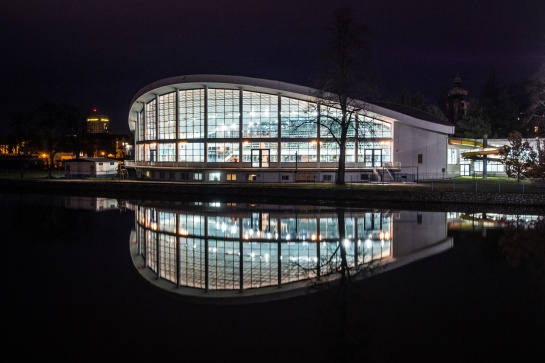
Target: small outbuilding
x,y
91,168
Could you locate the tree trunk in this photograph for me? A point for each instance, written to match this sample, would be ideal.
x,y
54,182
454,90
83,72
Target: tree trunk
x,y
342,151
50,167
342,167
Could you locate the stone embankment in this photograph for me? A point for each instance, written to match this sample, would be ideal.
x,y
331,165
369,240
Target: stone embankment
x,y
130,189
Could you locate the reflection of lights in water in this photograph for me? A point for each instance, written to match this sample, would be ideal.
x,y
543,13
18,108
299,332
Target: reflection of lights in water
x,y
216,235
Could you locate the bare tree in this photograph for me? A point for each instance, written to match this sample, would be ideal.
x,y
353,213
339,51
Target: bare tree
x,y
341,86
51,123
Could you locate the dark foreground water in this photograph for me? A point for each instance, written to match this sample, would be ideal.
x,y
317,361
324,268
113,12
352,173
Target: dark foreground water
x,y
71,292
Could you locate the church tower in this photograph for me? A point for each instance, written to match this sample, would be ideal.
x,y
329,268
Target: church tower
x,y
456,103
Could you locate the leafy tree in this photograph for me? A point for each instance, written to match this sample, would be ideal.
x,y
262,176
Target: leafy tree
x,y
536,168
418,102
536,90
517,160
341,86
436,111
475,123
501,105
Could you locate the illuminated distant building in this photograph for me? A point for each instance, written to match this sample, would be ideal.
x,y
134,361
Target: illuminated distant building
x,y
97,124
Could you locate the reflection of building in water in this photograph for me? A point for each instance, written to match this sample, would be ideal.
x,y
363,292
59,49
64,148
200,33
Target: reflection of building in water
x,y
483,221
240,247
91,203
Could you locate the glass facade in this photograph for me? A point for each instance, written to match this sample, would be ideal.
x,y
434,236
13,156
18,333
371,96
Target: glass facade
x,y
243,128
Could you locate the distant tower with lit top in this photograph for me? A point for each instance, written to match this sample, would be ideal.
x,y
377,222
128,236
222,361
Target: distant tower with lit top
x,y
456,103
97,124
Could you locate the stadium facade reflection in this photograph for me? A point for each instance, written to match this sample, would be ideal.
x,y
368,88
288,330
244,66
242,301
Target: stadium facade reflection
x,y
227,250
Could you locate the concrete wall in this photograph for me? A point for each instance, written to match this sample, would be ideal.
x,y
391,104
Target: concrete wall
x,y
409,142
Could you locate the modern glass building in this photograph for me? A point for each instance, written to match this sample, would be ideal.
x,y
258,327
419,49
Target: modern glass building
x,y
238,129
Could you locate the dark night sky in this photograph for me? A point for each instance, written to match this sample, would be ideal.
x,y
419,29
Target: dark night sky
x,y
100,53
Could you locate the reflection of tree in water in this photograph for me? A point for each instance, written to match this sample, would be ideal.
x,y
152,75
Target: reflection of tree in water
x,y
524,245
343,301
46,220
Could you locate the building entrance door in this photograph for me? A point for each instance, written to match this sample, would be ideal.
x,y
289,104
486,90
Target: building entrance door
x,y
260,158
373,158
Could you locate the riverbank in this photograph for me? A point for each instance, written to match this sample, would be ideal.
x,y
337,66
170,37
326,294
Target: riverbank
x,y
400,195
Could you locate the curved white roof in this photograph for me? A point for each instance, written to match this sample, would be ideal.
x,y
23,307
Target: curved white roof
x,y
171,84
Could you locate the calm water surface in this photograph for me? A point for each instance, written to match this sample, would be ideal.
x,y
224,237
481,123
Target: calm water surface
x,y
95,279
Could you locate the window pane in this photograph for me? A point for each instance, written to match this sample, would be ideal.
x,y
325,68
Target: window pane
x,y
298,118
224,152
191,114
167,152
191,152
260,115
301,151
151,120
167,116
223,113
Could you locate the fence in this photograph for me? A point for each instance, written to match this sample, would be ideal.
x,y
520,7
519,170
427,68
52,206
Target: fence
x,y
480,185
